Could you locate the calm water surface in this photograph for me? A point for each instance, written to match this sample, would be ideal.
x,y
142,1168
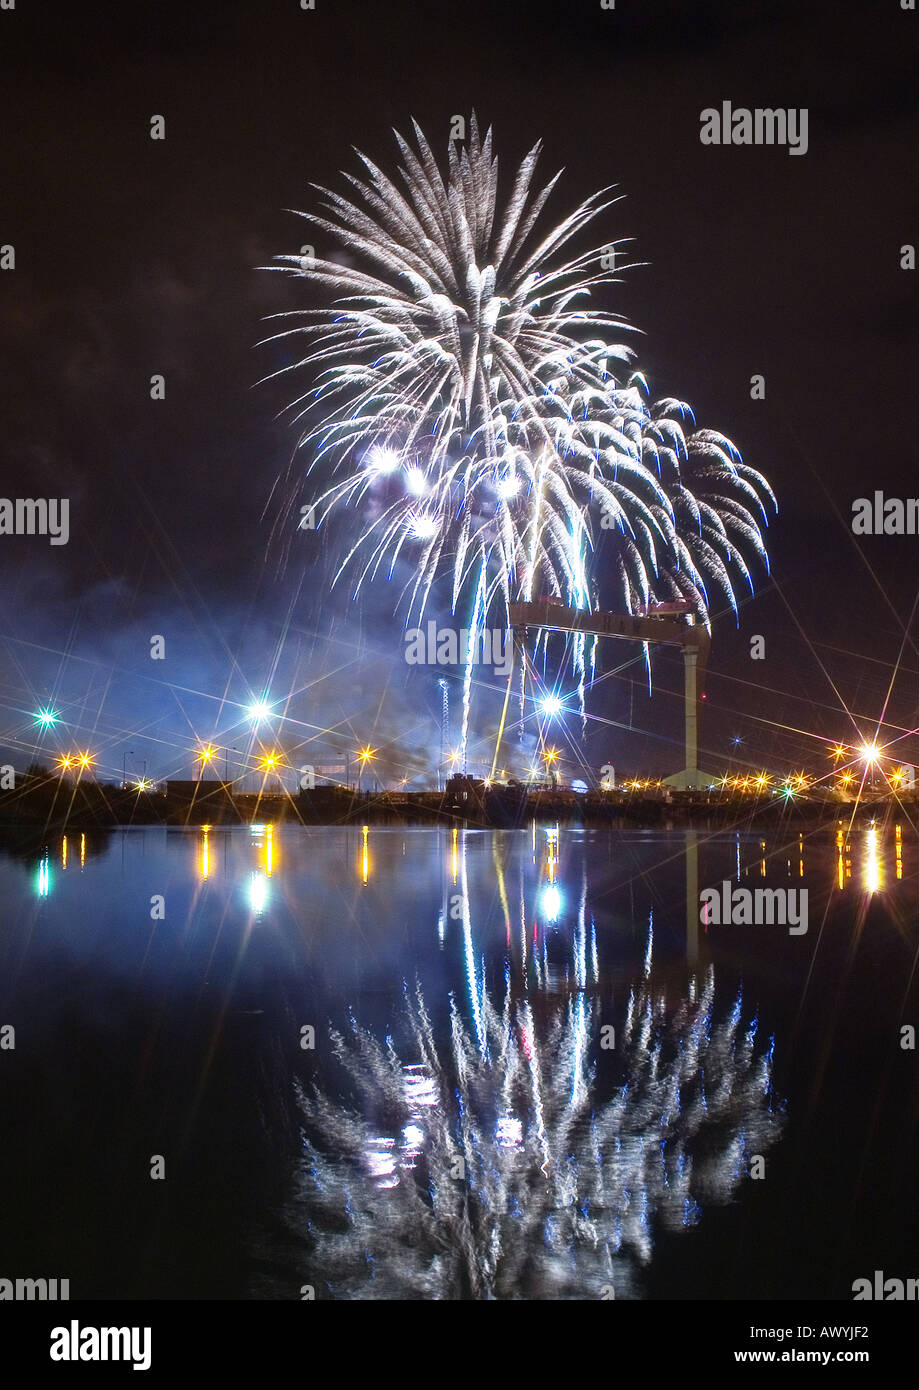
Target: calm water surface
x,y
489,1064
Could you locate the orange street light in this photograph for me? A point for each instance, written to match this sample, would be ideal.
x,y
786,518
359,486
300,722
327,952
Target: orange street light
x,y
365,756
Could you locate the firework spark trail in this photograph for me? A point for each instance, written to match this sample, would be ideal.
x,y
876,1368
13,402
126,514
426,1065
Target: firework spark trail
x,y
463,400
557,1193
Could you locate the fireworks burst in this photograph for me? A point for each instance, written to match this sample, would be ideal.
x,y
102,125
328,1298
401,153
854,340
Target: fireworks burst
x,y
471,400
495,1171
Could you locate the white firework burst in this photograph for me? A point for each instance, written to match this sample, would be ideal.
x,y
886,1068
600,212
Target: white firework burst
x,y
471,399
493,1169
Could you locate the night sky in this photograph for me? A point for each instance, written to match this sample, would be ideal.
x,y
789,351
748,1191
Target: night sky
x,y
135,257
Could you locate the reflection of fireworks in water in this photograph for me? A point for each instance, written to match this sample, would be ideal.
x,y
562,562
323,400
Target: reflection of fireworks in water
x,y
466,398
561,1192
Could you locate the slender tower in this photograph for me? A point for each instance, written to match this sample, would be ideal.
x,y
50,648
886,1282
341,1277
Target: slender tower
x,y
444,730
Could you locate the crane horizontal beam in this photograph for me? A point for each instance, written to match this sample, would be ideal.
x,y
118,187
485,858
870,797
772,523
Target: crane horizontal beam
x,y
556,617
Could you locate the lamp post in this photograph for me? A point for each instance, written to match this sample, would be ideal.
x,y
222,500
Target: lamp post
x,y
871,757
124,771
204,756
365,756
271,763
444,726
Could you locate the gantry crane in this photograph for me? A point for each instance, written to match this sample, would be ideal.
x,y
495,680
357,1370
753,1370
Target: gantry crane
x,y
671,623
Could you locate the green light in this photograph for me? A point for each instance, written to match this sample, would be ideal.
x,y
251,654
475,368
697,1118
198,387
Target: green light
x,y
44,879
46,718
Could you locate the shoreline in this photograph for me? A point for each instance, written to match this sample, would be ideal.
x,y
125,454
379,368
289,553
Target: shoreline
x,y
51,806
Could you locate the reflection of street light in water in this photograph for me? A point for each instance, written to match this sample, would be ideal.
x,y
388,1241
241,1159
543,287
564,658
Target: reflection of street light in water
x,y
873,876
551,902
258,892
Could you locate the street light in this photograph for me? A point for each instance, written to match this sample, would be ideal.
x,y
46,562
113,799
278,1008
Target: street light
x,y
871,756
365,756
47,718
205,755
268,763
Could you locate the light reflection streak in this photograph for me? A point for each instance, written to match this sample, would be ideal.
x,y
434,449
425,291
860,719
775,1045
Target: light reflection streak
x,y
258,892
491,1167
873,873
469,949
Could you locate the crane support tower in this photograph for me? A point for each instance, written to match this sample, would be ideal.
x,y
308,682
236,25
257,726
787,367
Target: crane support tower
x,y
672,623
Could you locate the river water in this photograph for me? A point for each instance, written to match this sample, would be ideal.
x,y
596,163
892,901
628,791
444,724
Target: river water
x,y
276,1063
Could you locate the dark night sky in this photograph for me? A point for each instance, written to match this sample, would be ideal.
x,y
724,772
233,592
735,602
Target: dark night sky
x,y
135,257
